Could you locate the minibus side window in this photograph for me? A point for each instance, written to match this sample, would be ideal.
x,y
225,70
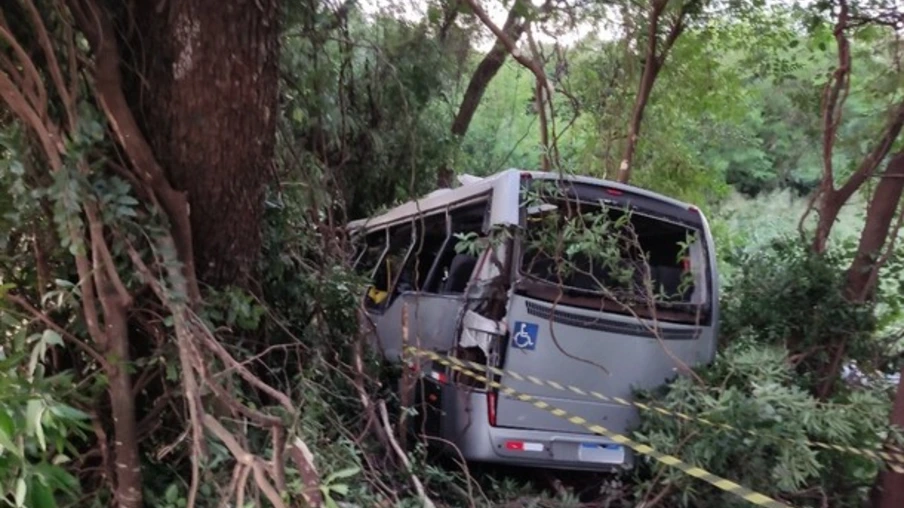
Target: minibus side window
x,y
374,245
430,237
359,245
453,270
389,270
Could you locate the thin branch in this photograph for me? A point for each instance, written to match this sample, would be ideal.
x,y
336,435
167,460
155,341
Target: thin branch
x,y
418,486
245,458
833,96
33,87
53,63
19,105
37,314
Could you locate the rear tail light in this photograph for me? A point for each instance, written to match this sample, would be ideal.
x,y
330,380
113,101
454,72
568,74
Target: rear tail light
x,y
614,192
522,446
491,408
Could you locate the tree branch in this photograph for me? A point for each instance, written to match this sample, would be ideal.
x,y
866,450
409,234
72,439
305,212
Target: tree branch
x,y
833,96
44,318
53,64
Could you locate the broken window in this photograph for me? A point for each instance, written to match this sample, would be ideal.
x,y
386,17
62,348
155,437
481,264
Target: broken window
x,y
453,269
431,235
371,249
389,269
592,249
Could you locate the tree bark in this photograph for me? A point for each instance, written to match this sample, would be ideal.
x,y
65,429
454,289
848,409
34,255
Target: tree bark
x,y
831,200
486,70
206,91
883,207
122,405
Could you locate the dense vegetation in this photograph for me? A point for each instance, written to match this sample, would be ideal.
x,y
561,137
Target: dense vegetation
x,y
152,356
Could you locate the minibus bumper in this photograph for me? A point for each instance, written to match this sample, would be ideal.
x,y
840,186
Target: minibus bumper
x,y
467,426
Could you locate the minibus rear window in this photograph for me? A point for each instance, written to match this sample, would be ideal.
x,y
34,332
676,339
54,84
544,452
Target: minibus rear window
x,y
626,256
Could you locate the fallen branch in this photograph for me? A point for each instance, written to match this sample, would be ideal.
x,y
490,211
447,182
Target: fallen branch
x,y
418,486
244,458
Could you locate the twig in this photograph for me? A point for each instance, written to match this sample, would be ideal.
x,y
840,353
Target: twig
x,y
304,460
21,302
418,486
245,458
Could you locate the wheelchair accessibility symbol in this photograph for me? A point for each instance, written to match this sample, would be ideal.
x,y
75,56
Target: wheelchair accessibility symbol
x,y
525,336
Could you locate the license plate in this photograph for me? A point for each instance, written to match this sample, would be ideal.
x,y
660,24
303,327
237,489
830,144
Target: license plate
x,y
604,453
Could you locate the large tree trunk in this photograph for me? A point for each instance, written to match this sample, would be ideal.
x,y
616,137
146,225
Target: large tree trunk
x,y
206,91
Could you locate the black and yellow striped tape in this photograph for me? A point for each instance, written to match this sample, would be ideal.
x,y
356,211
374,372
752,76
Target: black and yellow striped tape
x,y
894,460
669,460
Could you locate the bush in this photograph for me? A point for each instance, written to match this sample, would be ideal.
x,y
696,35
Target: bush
x,y
37,428
752,388
786,296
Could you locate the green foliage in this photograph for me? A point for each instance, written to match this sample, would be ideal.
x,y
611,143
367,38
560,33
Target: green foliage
x,y
751,387
787,296
384,134
37,429
783,313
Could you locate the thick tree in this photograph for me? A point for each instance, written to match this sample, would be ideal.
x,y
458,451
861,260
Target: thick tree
x,y
205,90
194,139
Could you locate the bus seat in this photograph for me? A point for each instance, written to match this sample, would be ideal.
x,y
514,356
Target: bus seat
x,y
668,280
459,273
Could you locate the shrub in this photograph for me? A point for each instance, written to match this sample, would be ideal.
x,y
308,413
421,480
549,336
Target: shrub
x,y
751,387
781,314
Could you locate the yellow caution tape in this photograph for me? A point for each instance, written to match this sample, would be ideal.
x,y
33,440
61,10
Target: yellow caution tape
x,y
720,483
894,460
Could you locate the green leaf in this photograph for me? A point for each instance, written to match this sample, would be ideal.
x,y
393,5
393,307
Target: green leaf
x,y
34,410
21,491
40,496
68,412
5,288
51,338
343,473
172,493
341,489
127,200
7,431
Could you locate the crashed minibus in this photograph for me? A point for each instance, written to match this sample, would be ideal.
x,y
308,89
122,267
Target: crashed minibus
x,y
468,270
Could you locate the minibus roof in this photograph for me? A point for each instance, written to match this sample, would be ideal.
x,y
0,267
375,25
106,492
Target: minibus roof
x,y
475,186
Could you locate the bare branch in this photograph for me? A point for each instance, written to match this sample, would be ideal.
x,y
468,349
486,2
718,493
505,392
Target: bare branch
x,y
33,86
37,314
834,95
53,63
244,458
